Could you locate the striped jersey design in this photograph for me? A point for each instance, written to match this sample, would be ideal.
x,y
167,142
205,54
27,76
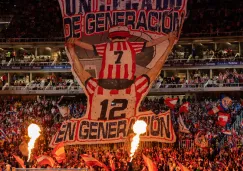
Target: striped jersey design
x,y
118,59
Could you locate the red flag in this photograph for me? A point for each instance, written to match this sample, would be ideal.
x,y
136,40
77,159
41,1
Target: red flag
x,y
184,108
223,118
20,161
183,168
149,163
171,103
43,160
59,152
90,161
215,110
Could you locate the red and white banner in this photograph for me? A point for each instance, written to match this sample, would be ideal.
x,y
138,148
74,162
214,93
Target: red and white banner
x,y
84,131
93,20
223,118
20,161
215,110
118,76
45,160
59,152
171,102
184,108
90,161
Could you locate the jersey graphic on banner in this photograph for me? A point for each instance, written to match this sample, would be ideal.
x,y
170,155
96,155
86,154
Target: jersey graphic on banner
x,y
118,59
127,43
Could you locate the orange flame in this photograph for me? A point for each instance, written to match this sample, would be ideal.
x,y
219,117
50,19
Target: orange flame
x,y
139,128
33,133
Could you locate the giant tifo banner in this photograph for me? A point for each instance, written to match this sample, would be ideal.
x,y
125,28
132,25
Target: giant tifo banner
x,y
117,49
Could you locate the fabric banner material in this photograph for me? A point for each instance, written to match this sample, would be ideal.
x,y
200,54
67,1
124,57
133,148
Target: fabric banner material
x,y
119,44
20,161
90,161
45,160
91,21
83,131
59,153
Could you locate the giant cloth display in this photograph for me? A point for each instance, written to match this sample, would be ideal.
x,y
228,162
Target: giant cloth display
x,y
117,49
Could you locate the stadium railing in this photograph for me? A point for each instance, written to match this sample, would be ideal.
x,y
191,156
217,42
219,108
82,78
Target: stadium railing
x,y
38,63
228,59
38,88
197,85
190,60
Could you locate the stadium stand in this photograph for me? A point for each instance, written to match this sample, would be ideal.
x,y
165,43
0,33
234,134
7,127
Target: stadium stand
x,y
206,63
17,113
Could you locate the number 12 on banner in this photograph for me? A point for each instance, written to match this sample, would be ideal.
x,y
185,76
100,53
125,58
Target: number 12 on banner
x,y
111,114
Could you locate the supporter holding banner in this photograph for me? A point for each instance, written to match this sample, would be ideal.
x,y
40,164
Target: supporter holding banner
x,y
116,75
225,103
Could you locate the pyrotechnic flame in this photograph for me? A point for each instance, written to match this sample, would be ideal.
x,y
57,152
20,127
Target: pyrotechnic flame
x,y
139,128
33,133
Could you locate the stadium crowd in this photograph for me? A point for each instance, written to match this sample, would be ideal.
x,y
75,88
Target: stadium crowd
x,y
43,19
203,55
198,78
17,114
229,78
